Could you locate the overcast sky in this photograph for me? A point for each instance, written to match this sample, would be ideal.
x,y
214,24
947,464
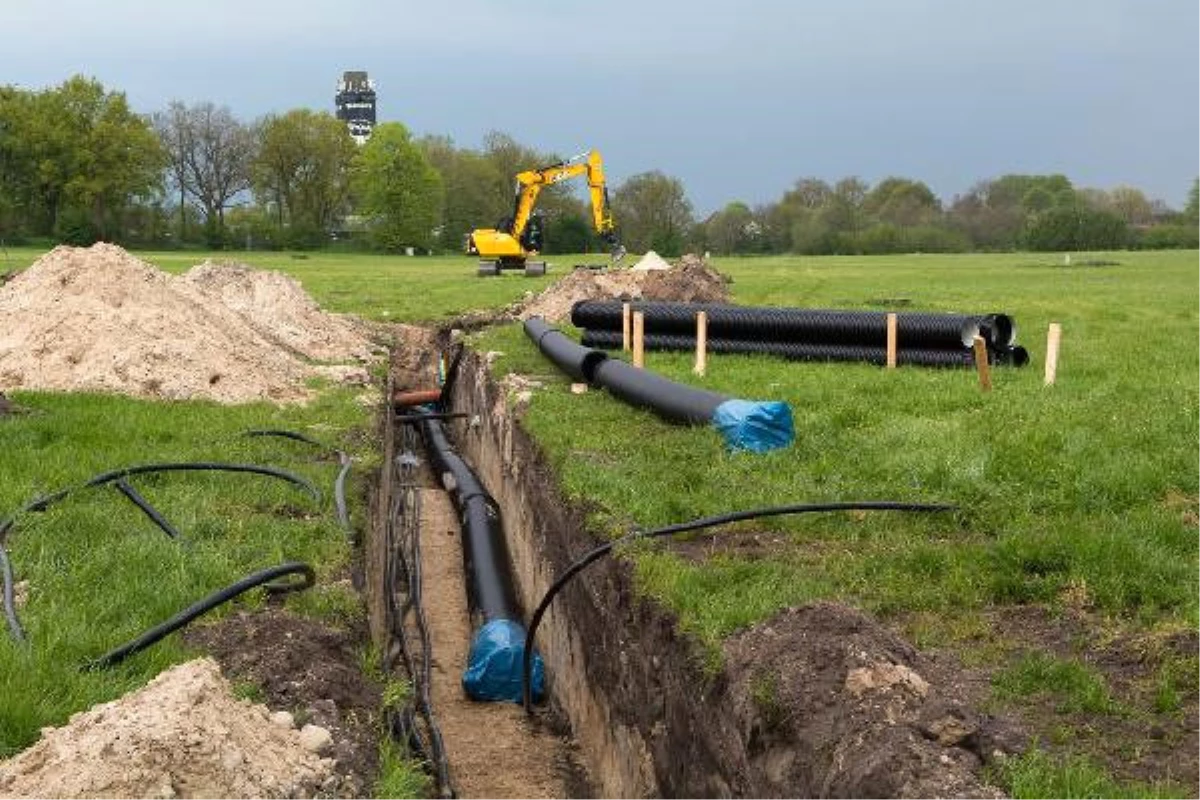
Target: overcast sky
x,y
737,100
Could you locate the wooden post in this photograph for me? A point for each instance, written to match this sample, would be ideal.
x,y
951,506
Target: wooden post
x,y
891,341
981,364
701,343
639,332
625,327
1053,337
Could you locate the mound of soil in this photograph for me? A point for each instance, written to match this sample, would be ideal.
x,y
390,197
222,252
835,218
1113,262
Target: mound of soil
x,y
182,735
831,704
99,319
691,280
311,671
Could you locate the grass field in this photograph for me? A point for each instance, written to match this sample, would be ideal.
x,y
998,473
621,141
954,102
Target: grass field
x,y
1080,498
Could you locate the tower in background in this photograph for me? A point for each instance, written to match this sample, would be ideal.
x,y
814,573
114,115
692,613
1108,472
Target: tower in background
x,y
355,101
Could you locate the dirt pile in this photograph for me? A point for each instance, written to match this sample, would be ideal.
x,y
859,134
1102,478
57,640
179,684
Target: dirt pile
x,y
690,280
831,704
99,319
182,735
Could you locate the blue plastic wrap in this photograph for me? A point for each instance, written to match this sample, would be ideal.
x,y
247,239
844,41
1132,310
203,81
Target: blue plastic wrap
x,y
494,665
755,426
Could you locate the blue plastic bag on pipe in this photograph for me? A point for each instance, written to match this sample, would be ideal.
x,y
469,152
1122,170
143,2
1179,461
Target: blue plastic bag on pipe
x,y
755,426
495,664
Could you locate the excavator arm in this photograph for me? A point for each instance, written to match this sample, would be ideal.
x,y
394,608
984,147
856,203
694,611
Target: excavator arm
x,y
509,245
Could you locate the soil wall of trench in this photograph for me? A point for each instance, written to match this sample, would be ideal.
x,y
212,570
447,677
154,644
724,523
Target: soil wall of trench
x,y
845,710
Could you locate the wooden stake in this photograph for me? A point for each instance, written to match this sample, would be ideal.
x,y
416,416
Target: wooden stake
x,y
701,343
891,341
639,332
1053,337
981,364
625,327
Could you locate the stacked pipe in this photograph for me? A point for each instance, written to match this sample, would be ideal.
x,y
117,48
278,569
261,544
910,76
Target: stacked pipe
x,y
925,339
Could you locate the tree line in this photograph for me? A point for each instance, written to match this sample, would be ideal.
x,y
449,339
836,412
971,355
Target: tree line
x,y
77,165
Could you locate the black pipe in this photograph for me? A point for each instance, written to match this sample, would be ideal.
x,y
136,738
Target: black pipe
x,y
705,522
580,363
676,402
42,503
795,351
825,326
150,511
493,670
490,591
745,424
119,654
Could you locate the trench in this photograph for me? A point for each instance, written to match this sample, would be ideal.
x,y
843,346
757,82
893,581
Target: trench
x,y
630,710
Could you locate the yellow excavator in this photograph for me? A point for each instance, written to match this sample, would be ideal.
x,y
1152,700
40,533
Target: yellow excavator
x,y
516,239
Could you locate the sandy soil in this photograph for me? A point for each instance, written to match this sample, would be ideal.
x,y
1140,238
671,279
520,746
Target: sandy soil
x,y
182,735
99,319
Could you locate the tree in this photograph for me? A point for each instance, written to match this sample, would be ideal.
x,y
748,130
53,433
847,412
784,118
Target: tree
x,y
75,160
210,155
732,230
303,166
469,199
902,202
1130,204
1075,227
652,213
1191,211
397,189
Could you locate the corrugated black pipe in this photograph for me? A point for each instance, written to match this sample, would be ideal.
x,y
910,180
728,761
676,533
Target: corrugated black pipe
x,y
914,329
960,357
493,670
745,424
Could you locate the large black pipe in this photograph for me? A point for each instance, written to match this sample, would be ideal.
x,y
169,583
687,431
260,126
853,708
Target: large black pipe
x,y
490,591
796,351
493,669
580,363
824,326
745,424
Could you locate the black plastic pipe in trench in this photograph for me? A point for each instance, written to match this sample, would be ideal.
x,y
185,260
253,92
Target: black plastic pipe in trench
x,y
923,330
746,424
494,663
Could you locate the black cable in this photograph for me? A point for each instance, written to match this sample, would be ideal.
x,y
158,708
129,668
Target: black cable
x,y
339,483
299,437
339,494
10,610
150,511
704,522
41,503
181,619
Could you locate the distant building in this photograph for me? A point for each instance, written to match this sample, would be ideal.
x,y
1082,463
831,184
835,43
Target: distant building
x,y
355,101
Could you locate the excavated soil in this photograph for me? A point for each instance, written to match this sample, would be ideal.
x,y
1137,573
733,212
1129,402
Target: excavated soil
x,y
99,319
690,280
183,735
312,671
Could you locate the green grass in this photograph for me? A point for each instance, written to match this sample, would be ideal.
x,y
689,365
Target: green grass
x,y
1074,685
1070,495
1036,774
1061,488
99,572
376,287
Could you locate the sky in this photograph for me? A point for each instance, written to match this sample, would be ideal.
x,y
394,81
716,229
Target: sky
x,y
736,100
